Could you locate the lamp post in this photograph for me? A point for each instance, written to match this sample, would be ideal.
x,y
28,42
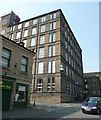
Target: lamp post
x,y
34,97
61,68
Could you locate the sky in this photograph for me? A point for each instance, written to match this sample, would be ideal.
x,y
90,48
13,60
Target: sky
x,y
83,19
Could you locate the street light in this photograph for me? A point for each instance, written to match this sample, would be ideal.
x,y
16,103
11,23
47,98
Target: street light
x,y
61,68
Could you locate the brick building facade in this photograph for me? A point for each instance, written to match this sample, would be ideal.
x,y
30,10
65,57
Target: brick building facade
x,y
16,75
57,65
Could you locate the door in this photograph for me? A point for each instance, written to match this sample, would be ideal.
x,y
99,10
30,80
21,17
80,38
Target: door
x,y
6,96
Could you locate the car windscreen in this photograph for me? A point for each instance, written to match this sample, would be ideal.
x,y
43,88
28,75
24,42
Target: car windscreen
x,y
92,100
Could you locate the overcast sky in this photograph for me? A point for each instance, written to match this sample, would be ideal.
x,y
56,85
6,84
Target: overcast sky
x,y
83,18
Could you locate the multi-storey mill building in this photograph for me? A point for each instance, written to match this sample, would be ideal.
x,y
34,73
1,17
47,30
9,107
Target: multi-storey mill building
x,y
57,65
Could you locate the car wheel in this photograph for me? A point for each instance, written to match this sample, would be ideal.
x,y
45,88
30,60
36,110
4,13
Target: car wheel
x,y
83,111
98,111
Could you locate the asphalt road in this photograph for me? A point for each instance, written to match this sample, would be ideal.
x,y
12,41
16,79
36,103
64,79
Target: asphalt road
x,y
55,112
63,111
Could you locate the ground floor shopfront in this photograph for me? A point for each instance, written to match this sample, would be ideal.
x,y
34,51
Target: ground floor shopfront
x,y
15,94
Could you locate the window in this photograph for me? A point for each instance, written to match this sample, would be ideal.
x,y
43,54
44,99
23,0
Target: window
x,y
25,42
51,67
43,19
66,44
42,28
25,33
51,51
41,52
39,85
6,54
18,35
40,68
34,31
24,64
66,56
42,39
2,32
53,16
11,36
66,34
67,70
52,37
68,38
27,24
19,26
4,22
68,87
51,85
33,41
13,28
35,21
52,26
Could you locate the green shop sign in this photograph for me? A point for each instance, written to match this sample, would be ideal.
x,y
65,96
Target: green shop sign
x,y
7,85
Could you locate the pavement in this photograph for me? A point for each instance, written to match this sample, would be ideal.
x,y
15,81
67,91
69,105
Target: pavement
x,y
23,112
32,110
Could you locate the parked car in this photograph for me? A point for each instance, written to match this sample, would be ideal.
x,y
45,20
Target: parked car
x,y
91,105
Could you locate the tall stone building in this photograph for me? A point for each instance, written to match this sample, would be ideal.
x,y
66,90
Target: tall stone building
x,y
57,65
92,84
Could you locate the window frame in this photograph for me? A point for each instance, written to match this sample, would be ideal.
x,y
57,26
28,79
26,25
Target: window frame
x,y
40,67
42,28
52,25
25,33
5,57
39,85
41,52
43,19
24,64
42,39
51,84
33,39
51,50
18,34
51,67
52,37
34,30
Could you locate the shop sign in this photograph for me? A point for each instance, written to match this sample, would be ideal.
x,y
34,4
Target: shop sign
x,y
21,88
6,85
